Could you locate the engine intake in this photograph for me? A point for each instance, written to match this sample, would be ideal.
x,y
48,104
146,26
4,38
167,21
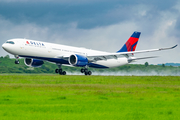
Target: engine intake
x,y
78,60
33,62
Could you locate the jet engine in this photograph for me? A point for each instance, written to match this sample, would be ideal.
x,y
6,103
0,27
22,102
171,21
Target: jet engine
x,y
78,60
33,62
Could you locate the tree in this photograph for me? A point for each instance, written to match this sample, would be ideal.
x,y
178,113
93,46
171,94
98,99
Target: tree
x,y
163,65
146,64
7,57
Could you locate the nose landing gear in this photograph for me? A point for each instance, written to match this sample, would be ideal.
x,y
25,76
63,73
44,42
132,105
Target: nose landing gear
x,y
17,61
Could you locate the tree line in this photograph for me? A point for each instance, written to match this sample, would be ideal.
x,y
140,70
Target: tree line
x,y
7,66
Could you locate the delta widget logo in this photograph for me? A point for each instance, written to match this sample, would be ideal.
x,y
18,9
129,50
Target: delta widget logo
x,y
34,43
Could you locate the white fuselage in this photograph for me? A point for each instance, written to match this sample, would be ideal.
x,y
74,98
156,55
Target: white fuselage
x,y
38,49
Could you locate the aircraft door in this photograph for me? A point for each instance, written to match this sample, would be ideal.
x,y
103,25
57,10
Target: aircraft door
x,y
22,44
49,49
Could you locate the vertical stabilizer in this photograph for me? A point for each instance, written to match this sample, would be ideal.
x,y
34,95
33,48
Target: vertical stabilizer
x,y
131,44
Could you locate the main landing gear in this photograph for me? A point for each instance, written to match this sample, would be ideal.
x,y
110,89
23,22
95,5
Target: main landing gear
x,y
60,71
85,71
17,61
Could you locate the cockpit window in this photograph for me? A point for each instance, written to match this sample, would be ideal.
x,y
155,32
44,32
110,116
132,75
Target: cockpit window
x,y
10,42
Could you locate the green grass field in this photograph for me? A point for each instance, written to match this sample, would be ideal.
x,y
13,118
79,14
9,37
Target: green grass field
x,y
49,97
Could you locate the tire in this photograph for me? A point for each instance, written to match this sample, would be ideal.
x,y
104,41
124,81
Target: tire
x,y
82,70
89,73
60,71
64,73
86,73
57,71
16,62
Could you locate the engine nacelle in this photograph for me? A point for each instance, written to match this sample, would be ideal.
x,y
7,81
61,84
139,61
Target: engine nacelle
x,y
78,60
33,62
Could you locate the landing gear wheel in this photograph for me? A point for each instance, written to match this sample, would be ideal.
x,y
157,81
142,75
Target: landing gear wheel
x,y
60,71
86,73
64,73
57,70
82,70
89,73
17,62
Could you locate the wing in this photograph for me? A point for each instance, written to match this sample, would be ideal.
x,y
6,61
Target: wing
x,y
105,56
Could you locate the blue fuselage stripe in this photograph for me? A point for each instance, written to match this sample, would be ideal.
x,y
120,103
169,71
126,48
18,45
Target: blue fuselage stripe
x,y
61,61
55,60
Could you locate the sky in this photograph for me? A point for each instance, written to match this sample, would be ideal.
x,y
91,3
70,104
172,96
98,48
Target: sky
x,y
95,24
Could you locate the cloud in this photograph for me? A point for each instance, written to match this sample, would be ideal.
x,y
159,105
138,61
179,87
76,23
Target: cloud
x,y
45,13
87,14
57,1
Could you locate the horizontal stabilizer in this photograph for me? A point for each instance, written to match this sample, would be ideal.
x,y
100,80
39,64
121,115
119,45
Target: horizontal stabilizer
x,y
133,59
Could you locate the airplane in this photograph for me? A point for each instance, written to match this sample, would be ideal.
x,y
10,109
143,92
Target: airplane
x,y
36,52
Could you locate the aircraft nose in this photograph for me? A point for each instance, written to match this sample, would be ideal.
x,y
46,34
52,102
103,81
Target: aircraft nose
x,y
3,46
8,48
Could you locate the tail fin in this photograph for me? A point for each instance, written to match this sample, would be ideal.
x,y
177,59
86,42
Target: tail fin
x,y
131,44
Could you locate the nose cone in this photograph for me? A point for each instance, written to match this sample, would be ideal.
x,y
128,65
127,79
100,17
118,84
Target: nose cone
x,y
10,48
3,46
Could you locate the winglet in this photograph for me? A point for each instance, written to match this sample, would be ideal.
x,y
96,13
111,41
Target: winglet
x,y
168,48
174,46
